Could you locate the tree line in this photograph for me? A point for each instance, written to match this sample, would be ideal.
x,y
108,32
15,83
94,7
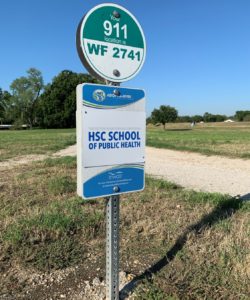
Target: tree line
x,y
33,103
167,114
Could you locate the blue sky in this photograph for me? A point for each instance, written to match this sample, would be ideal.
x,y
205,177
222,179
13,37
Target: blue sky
x,y
198,51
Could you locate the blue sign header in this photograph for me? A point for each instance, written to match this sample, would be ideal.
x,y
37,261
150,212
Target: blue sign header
x,y
109,97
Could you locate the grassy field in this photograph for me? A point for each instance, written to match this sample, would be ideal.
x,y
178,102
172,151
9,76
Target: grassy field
x,y
20,142
179,244
227,139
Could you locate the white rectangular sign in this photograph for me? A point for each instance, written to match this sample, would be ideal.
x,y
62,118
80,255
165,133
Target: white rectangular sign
x,y
110,140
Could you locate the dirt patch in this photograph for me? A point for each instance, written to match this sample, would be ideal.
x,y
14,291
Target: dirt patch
x,y
20,160
70,151
26,159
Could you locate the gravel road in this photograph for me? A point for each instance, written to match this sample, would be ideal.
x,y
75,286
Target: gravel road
x,y
200,172
196,171
190,170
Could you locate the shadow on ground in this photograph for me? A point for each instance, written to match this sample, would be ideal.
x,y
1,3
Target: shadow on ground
x,y
245,197
222,211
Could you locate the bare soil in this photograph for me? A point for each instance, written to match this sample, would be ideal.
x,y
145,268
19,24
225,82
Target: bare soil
x,y
25,159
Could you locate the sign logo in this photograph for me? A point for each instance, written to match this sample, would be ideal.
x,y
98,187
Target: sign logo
x,y
99,95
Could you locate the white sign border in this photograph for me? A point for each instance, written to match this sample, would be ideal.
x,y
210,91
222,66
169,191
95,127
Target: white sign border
x,y
79,131
91,66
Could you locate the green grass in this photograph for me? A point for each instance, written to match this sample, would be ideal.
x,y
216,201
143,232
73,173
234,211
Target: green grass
x,y
61,185
225,139
44,225
231,140
203,238
49,239
149,291
25,142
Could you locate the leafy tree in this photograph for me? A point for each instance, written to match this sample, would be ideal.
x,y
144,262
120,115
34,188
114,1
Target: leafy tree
x,y
25,94
214,118
163,115
241,114
197,118
220,118
209,117
5,104
2,107
148,120
57,105
246,118
184,119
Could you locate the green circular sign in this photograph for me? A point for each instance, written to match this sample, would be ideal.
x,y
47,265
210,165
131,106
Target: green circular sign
x,y
111,43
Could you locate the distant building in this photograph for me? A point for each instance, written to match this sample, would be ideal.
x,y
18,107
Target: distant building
x,y
2,126
229,121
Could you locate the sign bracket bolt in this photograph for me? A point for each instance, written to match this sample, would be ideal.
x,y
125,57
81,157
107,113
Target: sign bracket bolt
x,y
116,189
116,92
116,14
116,73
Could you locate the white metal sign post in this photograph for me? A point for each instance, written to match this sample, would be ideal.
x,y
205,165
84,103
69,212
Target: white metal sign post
x,y
110,119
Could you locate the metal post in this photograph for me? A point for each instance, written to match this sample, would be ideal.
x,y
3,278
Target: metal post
x,y
112,248
112,239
